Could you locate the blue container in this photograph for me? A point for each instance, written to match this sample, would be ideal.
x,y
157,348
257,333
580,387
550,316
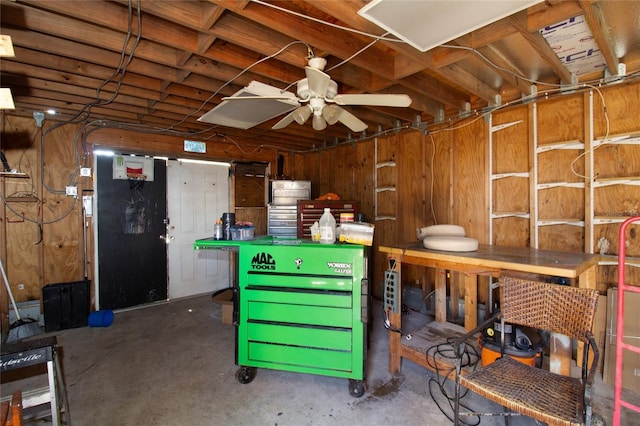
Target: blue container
x,y
102,318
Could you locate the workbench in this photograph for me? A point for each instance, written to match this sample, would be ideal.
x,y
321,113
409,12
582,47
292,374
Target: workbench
x,y
492,261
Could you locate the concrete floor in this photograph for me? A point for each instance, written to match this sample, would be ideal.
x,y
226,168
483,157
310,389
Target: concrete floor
x,y
173,364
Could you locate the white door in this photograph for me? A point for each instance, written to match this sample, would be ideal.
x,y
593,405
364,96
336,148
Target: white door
x,y
197,195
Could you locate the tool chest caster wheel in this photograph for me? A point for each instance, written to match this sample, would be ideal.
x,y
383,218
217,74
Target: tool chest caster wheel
x,y
356,388
246,375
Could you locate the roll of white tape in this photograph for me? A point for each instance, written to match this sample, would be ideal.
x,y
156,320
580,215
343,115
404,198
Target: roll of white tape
x,y
434,230
450,243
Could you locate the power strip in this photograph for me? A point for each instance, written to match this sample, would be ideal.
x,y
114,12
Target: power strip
x,y
390,296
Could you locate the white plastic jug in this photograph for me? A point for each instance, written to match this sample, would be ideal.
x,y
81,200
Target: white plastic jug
x,y
327,227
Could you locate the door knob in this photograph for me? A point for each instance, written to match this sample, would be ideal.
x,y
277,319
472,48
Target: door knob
x,y
167,238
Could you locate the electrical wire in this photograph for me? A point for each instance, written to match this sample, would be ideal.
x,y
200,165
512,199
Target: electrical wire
x,y
330,24
84,113
388,326
433,178
377,39
446,351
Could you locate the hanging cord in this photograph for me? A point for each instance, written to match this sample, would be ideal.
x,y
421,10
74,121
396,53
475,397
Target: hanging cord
x,y
446,351
388,326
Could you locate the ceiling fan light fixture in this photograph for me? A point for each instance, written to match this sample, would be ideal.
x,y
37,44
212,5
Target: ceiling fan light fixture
x,y
319,123
302,114
331,113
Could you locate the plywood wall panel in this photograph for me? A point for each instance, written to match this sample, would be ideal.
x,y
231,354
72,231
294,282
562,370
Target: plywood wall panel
x,y
438,192
23,263
62,214
612,160
561,203
364,179
560,119
511,195
22,211
343,171
610,244
511,232
511,142
562,237
617,201
470,203
412,210
561,165
622,110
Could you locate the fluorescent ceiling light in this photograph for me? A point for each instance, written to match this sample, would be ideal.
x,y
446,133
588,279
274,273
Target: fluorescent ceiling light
x,y
243,114
425,24
6,101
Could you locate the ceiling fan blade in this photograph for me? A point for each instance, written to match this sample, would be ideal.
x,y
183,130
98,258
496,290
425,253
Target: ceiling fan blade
x,y
253,98
318,81
331,113
382,99
351,121
286,120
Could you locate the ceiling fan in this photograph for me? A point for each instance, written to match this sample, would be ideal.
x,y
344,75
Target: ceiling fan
x,y
317,96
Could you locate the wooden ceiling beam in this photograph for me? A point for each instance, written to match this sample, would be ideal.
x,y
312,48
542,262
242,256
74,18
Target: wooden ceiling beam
x,y
117,18
598,25
46,39
133,84
540,45
317,35
198,16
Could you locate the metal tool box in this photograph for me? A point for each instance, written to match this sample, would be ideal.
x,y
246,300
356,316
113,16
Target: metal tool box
x,y
301,307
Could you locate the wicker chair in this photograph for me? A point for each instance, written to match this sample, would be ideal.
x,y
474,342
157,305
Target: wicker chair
x,y
523,389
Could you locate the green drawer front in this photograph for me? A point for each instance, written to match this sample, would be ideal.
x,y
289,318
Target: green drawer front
x,y
297,314
300,336
293,297
317,282
300,357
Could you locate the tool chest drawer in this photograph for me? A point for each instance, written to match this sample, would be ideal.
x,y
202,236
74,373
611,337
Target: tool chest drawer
x,y
317,282
298,314
338,339
299,297
300,357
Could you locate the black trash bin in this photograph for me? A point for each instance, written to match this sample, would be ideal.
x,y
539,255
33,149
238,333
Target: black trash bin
x,y
66,305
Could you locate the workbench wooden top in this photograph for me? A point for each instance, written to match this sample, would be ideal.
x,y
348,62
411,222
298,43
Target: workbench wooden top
x,y
520,259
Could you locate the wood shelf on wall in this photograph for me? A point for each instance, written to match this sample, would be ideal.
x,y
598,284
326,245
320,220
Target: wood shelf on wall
x,y
28,199
612,260
14,175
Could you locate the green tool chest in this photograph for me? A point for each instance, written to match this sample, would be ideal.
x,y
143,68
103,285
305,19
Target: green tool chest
x,y
301,307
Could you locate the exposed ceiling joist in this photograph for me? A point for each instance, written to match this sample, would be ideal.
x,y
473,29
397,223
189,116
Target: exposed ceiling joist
x,y
187,55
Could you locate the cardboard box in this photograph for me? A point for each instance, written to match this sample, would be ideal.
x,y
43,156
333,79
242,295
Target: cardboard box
x,y
225,299
631,360
600,331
